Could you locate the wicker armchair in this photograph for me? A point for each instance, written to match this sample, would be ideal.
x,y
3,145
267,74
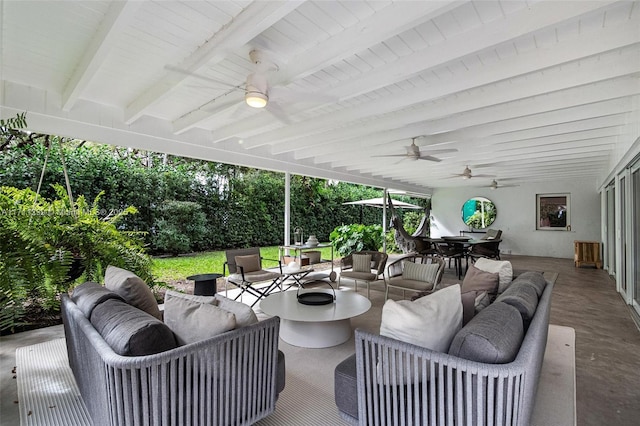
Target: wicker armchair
x,y
374,273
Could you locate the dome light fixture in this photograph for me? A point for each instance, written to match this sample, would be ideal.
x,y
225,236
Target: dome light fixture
x,y
256,99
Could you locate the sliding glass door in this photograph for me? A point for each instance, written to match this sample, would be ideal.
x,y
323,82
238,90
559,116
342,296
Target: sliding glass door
x,y
634,242
610,244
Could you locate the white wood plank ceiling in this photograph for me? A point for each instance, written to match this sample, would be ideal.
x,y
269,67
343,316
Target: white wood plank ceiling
x,y
518,90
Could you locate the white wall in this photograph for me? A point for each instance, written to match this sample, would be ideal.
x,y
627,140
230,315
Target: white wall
x,y
516,215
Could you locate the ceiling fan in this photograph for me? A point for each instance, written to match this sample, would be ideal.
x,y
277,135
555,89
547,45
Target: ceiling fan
x,y
413,153
494,185
258,93
466,174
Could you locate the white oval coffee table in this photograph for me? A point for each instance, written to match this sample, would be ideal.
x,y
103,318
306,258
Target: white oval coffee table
x,y
315,326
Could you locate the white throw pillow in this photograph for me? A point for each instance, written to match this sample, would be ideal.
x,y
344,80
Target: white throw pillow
x,y
430,321
502,267
192,321
420,272
361,263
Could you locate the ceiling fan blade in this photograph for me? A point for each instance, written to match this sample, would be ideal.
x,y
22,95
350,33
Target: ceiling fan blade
x,y
391,155
279,113
438,151
483,176
202,77
428,158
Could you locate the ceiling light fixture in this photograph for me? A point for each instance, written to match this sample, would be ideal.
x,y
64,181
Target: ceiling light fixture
x,y
256,99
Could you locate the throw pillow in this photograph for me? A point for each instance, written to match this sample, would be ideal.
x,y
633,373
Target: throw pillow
x,y
361,263
502,267
211,300
132,289
130,331
478,280
243,313
420,272
430,321
192,321
248,263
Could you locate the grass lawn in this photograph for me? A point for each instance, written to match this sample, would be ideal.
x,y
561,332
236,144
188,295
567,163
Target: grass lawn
x,y
169,269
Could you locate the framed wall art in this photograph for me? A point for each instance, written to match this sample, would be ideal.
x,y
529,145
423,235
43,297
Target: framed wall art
x,y
553,212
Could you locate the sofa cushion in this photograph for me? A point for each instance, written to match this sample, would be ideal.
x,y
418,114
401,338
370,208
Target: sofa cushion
x,y
132,289
430,321
522,297
89,295
243,313
503,268
248,263
192,321
361,263
131,331
420,272
493,336
534,279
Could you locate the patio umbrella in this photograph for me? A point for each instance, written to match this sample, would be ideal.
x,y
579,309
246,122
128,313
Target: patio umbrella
x,y
380,202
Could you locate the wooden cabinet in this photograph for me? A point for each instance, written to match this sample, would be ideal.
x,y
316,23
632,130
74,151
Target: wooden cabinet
x,y
587,252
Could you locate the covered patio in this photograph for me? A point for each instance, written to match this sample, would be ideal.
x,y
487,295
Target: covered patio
x,y
449,100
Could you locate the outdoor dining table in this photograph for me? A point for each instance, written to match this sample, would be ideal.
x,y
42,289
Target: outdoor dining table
x,y
461,245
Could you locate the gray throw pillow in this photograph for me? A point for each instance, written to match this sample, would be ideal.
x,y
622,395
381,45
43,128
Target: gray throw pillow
x,y
130,331
493,336
193,321
89,295
132,289
243,313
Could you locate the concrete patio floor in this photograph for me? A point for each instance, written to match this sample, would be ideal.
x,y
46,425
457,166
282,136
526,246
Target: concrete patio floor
x,y
607,344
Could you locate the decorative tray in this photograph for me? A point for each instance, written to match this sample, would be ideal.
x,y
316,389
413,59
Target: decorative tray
x,y
316,297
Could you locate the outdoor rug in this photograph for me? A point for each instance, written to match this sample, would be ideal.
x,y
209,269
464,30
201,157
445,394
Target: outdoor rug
x,y
48,394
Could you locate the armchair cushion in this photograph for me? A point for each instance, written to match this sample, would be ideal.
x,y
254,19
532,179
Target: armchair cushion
x,y
362,263
132,289
192,321
248,263
419,272
523,298
430,321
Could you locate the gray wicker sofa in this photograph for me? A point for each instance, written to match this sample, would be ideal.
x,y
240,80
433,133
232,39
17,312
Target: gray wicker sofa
x,y
232,378
487,377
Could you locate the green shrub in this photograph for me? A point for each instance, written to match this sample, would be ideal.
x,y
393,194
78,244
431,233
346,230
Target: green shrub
x,y
180,228
356,237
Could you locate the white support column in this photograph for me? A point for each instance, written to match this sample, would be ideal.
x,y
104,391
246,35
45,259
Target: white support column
x,y
384,221
287,209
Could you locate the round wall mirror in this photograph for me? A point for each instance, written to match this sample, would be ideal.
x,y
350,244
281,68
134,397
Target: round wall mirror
x,y
478,213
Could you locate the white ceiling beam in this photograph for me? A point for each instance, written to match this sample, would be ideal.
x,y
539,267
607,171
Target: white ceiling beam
x,y
535,113
253,20
543,14
118,16
536,86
